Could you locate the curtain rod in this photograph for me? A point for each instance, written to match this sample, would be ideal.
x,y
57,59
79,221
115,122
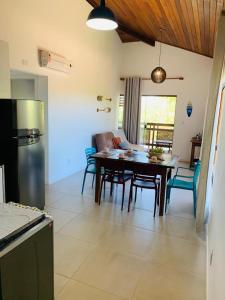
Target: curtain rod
x,y
167,78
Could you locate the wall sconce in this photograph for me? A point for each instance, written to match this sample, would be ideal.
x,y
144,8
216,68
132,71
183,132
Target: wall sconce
x,y
101,98
106,110
189,109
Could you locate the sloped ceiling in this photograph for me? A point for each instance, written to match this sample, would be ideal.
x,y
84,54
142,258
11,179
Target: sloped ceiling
x,y
187,24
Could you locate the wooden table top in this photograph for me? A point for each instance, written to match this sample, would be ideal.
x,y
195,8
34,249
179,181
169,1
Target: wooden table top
x,y
137,157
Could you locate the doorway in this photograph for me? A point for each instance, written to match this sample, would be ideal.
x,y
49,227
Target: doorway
x,y
157,121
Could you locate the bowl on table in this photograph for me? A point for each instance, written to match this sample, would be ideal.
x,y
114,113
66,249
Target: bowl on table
x,y
155,152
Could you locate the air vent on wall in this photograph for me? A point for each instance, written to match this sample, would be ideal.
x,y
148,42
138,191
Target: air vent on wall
x,y
48,59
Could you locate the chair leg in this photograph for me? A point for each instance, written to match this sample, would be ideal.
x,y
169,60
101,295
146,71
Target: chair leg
x,y
93,180
156,199
111,189
194,202
123,196
102,182
158,191
85,174
130,197
135,195
104,189
168,192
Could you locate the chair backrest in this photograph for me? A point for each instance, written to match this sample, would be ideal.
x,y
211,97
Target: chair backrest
x,y
197,172
104,140
89,152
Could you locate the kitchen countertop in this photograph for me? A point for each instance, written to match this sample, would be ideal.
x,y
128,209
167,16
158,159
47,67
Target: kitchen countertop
x,y
15,217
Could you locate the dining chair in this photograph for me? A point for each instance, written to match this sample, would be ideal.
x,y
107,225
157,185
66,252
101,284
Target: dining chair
x,y
115,177
90,167
186,183
144,182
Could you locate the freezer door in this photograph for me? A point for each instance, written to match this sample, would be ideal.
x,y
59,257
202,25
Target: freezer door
x,y
30,114
31,173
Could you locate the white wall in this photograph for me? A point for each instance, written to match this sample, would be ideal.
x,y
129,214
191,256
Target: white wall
x,y
216,226
60,26
22,89
140,59
4,70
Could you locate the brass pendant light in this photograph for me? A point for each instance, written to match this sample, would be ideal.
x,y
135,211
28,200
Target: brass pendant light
x,y
158,75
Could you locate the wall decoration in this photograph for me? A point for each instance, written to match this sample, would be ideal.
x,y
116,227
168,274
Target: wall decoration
x,y
106,110
189,109
101,98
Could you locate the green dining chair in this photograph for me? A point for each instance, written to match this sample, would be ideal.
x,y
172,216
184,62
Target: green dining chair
x,y
90,167
179,182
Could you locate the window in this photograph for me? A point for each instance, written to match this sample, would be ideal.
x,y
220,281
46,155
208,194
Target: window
x,y
120,111
157,121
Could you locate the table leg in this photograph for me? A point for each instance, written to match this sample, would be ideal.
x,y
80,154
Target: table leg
x,y
192,155
162,192
98,181
169,174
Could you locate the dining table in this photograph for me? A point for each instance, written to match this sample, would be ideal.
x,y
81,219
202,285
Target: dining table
x,y
139,163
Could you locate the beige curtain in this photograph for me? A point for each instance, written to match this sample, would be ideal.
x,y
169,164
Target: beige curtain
x,y
132,109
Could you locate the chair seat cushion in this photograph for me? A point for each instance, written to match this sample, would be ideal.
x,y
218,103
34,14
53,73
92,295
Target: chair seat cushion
x,y
92,169
180,184
118,178
144,184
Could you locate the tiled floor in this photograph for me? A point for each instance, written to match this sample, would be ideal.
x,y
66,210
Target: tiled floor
x,y
102,253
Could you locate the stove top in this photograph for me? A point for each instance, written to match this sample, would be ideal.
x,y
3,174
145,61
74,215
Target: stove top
x,y
15,218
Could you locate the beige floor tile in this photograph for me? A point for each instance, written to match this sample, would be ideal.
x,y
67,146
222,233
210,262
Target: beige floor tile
x,y
78,291
59,282
72,203
179,227
111,212
181,204
178,254
51,196
132,256
86,229
129,240
143,219
161,283
111,271
60,217
70,253
108,211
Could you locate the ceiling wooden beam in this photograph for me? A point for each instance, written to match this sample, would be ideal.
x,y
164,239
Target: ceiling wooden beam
x,y
136,35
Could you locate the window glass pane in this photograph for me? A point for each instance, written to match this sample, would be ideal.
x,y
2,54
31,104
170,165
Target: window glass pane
x,y
157,120
120,111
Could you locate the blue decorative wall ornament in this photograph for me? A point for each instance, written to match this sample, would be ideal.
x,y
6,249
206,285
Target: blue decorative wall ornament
x,y
189,109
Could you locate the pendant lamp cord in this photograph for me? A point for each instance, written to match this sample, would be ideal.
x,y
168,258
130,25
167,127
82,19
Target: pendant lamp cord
x,y
102,2
160,49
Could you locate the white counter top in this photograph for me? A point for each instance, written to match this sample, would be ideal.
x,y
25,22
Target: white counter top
x,y
14,217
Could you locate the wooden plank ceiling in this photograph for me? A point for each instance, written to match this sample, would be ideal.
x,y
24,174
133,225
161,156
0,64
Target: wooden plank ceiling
x,y
187,24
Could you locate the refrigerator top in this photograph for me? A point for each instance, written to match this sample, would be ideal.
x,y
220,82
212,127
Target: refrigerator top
x,y
15,219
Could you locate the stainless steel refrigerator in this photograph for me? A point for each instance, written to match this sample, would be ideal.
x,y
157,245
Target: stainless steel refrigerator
x,y
22,151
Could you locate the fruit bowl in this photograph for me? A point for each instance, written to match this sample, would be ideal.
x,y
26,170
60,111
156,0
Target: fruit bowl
x,y
158,152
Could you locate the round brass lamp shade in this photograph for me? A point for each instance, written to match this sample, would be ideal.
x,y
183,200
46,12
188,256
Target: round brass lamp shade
x,y
158,75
